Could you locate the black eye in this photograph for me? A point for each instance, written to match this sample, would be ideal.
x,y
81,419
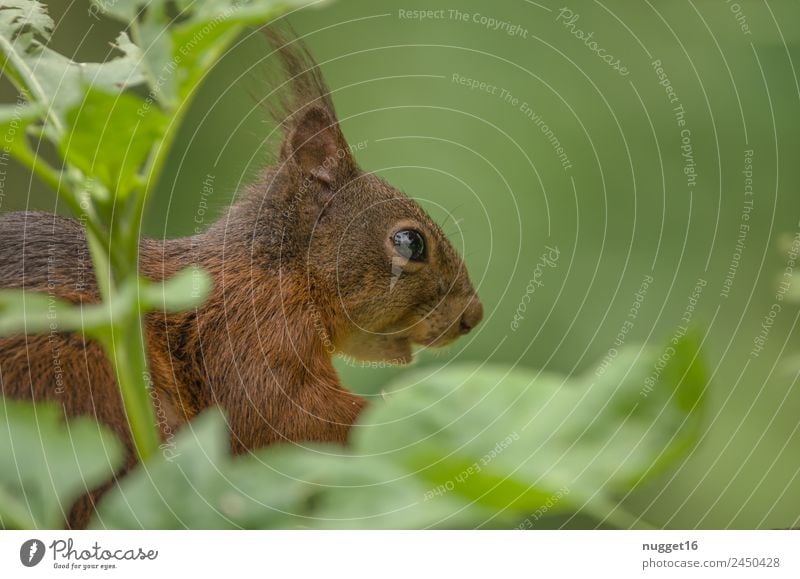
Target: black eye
x,y
410,244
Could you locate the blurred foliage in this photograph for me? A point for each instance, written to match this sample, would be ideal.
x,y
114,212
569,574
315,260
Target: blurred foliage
x,y
46,464
113,143
462,446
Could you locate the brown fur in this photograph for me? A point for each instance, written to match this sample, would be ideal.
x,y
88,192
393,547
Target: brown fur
x,y
302,268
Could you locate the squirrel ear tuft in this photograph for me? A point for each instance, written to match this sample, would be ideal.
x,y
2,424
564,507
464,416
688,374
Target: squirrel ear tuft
x,y
315,144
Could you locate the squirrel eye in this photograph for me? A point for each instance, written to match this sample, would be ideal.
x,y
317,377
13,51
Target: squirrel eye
x,y
410,244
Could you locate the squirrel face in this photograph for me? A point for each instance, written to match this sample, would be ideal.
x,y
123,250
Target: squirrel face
x,y
390,277
398,281
379,267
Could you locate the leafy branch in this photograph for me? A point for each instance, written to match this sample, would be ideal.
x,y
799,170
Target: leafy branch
x,y
113,145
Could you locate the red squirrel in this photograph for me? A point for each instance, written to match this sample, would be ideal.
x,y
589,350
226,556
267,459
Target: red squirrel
x,y
315,258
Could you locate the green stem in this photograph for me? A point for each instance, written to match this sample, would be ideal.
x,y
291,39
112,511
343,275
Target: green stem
x,y
125,349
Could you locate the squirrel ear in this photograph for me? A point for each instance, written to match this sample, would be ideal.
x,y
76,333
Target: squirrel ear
x,y
316,145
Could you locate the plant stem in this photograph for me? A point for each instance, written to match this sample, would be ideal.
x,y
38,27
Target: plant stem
x,y
125,349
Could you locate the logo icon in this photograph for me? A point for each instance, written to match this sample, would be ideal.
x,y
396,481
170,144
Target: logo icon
x,y
31,552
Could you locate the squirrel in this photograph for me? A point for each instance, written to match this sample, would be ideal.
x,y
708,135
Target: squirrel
x,y
314,258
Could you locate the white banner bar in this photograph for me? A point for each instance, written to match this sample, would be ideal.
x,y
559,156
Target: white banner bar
x,y
389,554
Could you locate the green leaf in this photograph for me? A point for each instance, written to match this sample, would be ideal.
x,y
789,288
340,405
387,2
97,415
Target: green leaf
x,y
14,123
34,313
459,446
188,288
50,80
197,484
515,439
176,63
110,137
46,463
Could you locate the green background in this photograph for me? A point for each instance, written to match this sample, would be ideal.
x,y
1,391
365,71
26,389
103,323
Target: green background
x,y
622,211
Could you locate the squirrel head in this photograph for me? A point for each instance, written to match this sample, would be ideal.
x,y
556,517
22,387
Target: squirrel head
x,y
381,272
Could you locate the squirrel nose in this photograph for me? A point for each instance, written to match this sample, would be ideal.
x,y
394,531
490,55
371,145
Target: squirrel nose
x,y
472,316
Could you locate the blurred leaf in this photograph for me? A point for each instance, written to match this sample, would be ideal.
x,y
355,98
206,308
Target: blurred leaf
x,y
186,289
46,463
469,442
110,137
14,123
197,484
33,313
512,439
175,63
49,79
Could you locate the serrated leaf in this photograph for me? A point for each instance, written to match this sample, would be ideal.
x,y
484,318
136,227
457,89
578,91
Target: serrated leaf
x,y
457,447
176,62
54,82
18,16
196,484
47,463
512,439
